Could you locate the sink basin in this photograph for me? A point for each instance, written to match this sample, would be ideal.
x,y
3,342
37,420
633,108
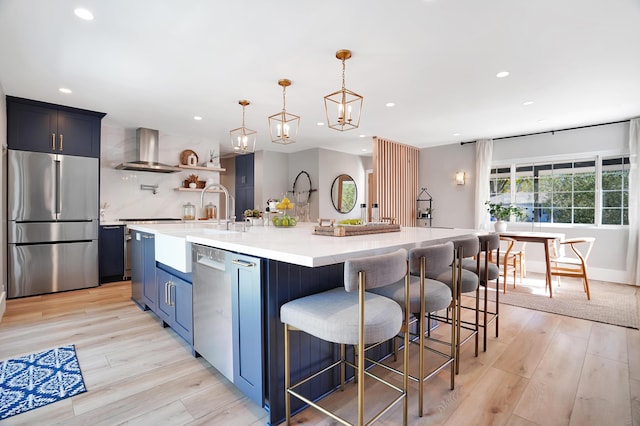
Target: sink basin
x,y
173,251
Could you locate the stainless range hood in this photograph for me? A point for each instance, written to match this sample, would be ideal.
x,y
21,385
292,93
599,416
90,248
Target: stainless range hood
x,y
147,150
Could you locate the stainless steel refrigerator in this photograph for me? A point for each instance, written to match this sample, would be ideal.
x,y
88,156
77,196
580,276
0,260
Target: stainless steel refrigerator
x,y
52,222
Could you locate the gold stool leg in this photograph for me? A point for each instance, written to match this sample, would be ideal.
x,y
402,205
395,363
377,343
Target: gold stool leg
x,y
342,365
421,340
287,378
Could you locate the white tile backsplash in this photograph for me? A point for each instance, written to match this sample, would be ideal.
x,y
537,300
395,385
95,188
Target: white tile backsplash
x,y
120,189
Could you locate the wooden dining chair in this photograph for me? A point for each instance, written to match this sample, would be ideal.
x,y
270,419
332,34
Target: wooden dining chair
x,y
574,263
508,261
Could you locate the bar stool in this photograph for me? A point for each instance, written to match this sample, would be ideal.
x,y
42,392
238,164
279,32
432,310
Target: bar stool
x,y
426,296
464,282
352,316
486,272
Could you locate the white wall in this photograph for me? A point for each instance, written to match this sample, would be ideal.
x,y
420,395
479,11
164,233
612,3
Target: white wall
x,y
120,189
3,201
453,206
271,177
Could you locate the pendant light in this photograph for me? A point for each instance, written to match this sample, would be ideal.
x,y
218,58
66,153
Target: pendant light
x,y
283,126
343,107
243,140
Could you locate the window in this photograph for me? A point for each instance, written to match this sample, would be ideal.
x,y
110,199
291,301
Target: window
x,y
615,191
566,191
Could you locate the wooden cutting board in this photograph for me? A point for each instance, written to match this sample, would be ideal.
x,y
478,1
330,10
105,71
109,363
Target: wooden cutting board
x,y
350,230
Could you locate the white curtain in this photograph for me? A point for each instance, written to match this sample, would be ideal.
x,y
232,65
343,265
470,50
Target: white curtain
x,y
633,248
484,154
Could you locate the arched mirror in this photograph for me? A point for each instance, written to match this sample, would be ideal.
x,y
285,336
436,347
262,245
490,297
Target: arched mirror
x,y
344,193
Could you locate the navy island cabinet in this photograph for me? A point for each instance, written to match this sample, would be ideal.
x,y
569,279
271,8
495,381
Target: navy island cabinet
x,y
175,301
246,311
56,129
144,290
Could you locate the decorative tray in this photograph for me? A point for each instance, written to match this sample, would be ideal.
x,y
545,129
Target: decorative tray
x,y
351,230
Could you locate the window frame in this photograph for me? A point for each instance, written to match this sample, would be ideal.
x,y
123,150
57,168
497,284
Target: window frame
x,y
597,157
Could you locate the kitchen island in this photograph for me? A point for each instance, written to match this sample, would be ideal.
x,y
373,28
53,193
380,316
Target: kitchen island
x,y
293,263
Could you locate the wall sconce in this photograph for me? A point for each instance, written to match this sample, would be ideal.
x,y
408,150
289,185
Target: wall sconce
x,y
460,178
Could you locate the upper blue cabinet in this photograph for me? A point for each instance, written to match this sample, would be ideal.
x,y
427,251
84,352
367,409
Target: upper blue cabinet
x,y
43,127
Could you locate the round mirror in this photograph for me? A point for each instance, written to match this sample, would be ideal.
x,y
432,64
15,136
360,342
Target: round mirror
x,y
344,193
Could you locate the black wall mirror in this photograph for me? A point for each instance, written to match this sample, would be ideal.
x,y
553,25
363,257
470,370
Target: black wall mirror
x,y
344,193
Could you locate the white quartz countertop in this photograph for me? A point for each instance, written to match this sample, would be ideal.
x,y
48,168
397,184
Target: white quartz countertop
x,y
295,245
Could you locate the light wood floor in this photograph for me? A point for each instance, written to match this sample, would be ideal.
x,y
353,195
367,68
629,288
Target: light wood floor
x,y
544,369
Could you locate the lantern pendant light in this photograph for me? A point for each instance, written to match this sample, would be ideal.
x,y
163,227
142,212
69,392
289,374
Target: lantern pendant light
x,y
343,107
284,126
243,140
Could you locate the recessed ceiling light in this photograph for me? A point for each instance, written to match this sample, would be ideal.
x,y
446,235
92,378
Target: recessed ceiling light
x,y
64,90
389,104
542,120
527,103
364,150
363,136
502,74
83,14
456,134
197,118
320,123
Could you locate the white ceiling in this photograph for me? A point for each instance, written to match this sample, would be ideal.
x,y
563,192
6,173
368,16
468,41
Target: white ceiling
x,y
157,64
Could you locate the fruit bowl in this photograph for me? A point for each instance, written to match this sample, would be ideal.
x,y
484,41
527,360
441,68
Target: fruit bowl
x,y
284,221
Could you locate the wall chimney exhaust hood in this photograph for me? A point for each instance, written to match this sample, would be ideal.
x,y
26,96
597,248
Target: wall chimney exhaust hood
x,y
147,150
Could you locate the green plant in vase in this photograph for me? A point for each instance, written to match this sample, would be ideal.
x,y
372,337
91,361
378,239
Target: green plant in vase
x,y
502,213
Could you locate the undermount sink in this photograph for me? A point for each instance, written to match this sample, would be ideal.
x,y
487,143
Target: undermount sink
x,y
218,231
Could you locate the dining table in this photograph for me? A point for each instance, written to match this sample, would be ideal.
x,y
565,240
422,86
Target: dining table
x,y
545,238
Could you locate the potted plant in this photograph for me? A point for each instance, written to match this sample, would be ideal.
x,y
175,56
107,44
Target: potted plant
x,y
502,213
252,216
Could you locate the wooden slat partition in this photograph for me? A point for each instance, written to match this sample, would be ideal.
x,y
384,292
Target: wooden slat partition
x,y
395,177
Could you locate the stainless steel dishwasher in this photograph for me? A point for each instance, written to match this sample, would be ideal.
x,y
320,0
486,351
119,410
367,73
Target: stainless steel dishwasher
x,y
212,309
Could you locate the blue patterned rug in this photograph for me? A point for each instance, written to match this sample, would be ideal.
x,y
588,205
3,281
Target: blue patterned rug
x,y
38,379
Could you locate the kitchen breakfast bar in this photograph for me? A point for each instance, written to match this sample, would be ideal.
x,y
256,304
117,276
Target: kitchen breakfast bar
x,y
287,263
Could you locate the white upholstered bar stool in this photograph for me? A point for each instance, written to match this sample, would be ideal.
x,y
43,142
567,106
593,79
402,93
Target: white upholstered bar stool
x,y
352,316
426,296
464,282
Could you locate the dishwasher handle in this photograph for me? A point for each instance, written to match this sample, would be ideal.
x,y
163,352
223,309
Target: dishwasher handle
x,y
243,263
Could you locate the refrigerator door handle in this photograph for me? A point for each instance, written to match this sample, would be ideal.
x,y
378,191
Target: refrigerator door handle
x,y
57,189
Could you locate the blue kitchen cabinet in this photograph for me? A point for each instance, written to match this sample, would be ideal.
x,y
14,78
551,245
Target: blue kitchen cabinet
x,y
44,127
246,296
111,252
144,290
244,192
175,301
